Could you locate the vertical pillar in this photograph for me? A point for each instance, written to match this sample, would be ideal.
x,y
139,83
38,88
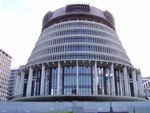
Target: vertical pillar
x,y
77,74
29,85
126,81
102,80
140,85
113,79
95,76
21,83
42,80
108,80
17,85
134,83
105,80
120,83
58,80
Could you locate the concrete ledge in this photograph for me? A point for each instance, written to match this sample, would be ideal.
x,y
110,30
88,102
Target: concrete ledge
x,y
70,98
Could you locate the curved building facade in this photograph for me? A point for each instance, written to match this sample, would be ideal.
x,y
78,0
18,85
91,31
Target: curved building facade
x,y
78,53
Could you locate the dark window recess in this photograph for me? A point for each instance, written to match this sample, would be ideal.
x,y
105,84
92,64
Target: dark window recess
x,y
78,8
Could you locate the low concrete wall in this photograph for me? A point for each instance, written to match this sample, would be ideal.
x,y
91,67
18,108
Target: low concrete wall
x,y
87,107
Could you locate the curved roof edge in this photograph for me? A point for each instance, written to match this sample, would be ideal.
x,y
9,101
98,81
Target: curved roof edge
x,y
75,9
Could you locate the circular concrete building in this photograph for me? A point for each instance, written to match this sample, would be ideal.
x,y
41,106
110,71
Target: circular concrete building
x,y
78,54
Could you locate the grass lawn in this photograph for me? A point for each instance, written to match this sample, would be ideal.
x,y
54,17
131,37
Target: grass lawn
x,y
57,112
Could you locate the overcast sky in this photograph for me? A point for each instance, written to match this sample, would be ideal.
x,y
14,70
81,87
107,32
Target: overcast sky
x,y
21,20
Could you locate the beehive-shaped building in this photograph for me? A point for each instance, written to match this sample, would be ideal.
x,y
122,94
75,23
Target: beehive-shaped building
x,y
78,54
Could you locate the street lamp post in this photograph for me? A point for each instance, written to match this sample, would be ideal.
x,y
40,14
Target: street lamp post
x,y
110,92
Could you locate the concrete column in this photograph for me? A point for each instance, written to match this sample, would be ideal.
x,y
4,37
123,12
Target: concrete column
x,y
120,82
140,85
77,74
113,79
29,85
96,79
21,83
102,74
58,80
108,80
126,81
42,80
134,83
17,85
